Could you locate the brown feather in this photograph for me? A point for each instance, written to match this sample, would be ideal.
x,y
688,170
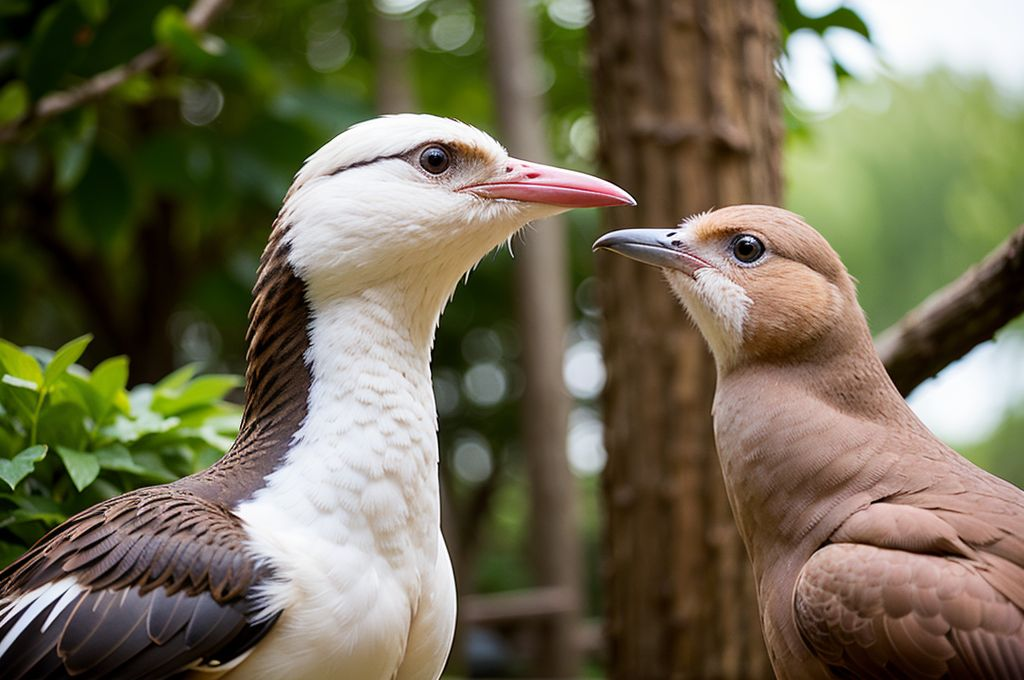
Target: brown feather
x,y
169,580
878,551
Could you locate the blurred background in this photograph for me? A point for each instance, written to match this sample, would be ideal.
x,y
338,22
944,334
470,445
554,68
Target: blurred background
x,y
140,216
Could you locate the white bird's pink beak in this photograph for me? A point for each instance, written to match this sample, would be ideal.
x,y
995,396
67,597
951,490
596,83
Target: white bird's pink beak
x,y
536,183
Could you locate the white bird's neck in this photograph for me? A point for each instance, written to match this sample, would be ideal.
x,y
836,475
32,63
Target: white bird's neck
x,y
362,468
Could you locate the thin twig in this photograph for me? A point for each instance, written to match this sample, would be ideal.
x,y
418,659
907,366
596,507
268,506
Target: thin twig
x,y
198,17
956,318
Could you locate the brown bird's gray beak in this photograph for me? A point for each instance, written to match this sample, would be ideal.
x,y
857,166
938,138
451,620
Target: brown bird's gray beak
x,y
657,247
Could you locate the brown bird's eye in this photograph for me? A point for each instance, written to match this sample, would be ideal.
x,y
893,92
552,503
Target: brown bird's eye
x,y
434,160
747,248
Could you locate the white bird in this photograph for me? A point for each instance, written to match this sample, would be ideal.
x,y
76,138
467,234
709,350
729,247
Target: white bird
x,y
313,548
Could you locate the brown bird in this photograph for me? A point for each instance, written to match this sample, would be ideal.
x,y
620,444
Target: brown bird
x,y
877,550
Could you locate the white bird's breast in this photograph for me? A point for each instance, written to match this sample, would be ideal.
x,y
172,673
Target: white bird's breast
x,y
351,521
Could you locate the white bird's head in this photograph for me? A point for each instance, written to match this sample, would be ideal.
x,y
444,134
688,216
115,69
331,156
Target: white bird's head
x,y
760,283
419,197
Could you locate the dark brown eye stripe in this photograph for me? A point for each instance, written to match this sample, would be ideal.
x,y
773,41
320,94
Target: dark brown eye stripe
x,y
360,164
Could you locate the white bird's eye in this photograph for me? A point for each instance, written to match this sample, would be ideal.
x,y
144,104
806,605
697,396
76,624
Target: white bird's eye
x,y
435,160
747,249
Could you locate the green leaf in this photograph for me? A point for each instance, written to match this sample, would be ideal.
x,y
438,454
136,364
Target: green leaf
x,y
204,390
107,382
18,401
72,148
132,429
11,436
78,390
138,89
173,31
71,158
19,364
155,468
9,552
53,47
13,102
31,503
68,354
81,466
63,423
172,28
110,377
21,466
94,10
176,379
21,516
117,457
126,31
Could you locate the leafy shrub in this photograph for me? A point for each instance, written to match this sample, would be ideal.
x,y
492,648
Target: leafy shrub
x,y
70,438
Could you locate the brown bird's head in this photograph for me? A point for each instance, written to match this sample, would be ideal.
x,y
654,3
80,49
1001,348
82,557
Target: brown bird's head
x,y
760,283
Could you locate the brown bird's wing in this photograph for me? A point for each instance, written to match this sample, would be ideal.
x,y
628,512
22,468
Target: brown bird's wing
x,y
870,612
987,514
142,586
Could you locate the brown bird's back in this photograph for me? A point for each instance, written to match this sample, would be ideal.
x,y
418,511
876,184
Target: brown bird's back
x,y
878,551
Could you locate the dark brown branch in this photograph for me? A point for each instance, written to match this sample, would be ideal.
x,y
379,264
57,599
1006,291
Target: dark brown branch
x,y
956,318
198,17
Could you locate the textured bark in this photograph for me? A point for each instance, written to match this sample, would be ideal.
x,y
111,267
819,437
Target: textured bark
x,y
542,293
688,107
955,319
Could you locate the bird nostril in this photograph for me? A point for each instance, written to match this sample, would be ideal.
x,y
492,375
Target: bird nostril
x,y
670,234
532,175
677,243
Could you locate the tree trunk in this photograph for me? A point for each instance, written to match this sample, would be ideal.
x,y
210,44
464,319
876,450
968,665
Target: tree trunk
x,y
542,292
392,42
688,107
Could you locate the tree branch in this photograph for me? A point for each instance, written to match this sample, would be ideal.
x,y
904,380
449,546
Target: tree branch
x,y
198,16
956,318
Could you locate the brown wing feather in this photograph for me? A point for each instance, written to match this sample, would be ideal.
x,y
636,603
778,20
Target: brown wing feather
x,y
165,582
875,612
103,547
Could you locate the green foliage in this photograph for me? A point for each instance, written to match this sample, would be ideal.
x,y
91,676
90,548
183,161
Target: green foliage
x,y
70,437
912,182
1000,453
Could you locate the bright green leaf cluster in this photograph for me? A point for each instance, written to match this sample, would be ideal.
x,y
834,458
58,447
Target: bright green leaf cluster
x,y
70,437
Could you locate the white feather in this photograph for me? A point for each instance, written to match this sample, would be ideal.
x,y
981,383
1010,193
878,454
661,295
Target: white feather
x,y
31,604
70,594
718,305
351,521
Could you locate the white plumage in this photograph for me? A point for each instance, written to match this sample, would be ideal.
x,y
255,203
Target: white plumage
x,y
346,572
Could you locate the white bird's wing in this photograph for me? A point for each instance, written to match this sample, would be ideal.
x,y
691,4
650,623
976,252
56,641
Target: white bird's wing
x,y
144,585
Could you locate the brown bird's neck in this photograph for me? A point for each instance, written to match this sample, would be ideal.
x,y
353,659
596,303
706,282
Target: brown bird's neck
x,y
277,381
792,434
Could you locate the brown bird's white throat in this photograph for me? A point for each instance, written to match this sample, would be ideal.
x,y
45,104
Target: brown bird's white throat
x,y
877,550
